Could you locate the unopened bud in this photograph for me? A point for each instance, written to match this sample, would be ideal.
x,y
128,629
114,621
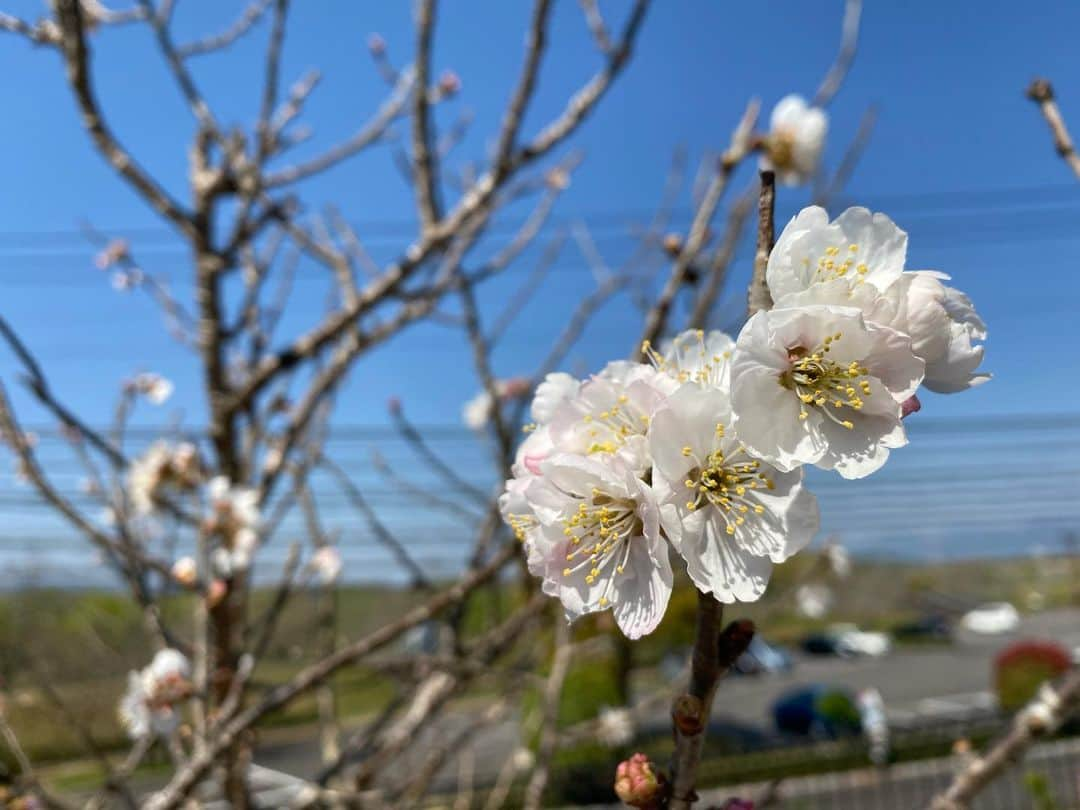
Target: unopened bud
x,y
909,406
558,179
638,784
376,44
737,804
215,593
394,406
672,244
449,82
185,571
688,713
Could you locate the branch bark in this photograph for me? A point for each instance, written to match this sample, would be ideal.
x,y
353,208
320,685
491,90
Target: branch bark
x,y
1042,93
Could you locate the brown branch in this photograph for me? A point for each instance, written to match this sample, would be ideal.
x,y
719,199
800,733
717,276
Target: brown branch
x,y
473,209
1043,716
425,173
231,729
758,297
77,57
721,262
740,147
1042,93
714,654
535,42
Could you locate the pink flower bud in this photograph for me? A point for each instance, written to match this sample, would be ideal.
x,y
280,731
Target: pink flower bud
x,y
737,804
394,406
637,784
215,593
376,44
909,406
449,82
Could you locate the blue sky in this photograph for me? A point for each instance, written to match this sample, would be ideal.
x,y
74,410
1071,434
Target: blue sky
x,y
959,158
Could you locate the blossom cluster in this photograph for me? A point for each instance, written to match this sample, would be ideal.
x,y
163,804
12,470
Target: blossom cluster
x,y
149,706
701,451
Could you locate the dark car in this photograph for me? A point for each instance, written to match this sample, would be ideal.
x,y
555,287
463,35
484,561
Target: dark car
x,y
927,628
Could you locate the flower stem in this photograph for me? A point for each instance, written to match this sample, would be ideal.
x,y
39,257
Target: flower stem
x,y
714,653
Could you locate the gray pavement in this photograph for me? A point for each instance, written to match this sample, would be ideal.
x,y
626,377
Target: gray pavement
x,y
917,683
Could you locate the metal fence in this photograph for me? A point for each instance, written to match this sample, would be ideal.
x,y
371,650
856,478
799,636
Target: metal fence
x,y
1047,779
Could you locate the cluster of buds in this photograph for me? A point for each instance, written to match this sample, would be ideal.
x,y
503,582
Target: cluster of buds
x,y
233,520
161,469
149,705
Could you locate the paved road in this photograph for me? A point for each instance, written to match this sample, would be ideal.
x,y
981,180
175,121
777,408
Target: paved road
x,y
916,683
930,681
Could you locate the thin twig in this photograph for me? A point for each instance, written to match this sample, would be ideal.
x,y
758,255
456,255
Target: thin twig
x,y
758,296
849,42
215,42
1042,93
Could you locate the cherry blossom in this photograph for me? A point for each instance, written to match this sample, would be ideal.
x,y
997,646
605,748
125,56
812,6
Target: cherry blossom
x,y
820,385
148,707
596,540
729,514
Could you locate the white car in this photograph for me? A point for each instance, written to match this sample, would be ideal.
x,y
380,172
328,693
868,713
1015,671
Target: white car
x,y
850,640
991,619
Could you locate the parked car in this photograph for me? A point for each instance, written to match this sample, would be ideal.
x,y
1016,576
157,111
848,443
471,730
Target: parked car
x,y
822,711
933,627
847,640
991,619
761,657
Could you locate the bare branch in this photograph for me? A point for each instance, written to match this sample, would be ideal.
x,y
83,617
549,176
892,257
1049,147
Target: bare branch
x,y
849,43
231,728
1041,717
43,32
369,134
714,654
244,23
597,27
758,296
77,57
699,229
425,173
535,40
1042,93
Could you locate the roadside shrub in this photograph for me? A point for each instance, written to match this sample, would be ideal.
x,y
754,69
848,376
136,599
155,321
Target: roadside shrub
x,y
1021,668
